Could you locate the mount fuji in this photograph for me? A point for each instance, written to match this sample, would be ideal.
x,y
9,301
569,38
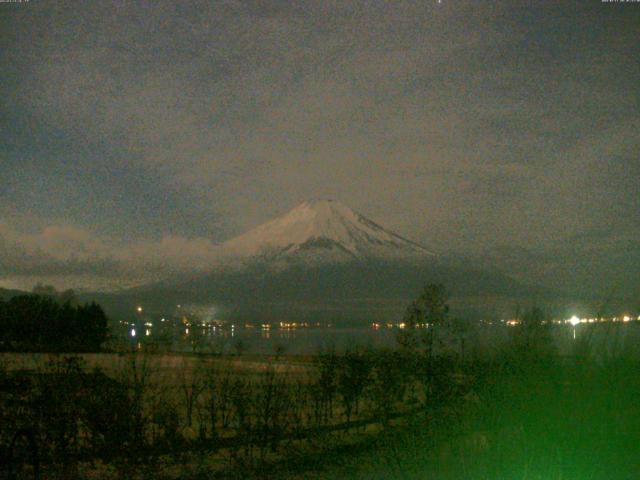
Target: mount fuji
x,y
321,261
323,231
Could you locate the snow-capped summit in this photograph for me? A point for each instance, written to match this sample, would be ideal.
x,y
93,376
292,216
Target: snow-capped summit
x,y
323,230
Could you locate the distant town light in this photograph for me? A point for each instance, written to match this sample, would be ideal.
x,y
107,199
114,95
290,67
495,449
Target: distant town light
x,y
133,332
574,320
139,309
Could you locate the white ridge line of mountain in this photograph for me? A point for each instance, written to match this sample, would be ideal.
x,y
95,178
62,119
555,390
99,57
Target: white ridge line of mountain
x,y
323,229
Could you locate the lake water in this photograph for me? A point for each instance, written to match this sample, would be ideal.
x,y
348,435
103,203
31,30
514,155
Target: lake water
x,y
603,339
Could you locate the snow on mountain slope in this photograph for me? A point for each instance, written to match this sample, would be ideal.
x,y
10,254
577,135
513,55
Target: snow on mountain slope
x,y
323,230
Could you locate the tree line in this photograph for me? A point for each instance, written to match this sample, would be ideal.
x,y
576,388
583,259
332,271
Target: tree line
x,y
47,323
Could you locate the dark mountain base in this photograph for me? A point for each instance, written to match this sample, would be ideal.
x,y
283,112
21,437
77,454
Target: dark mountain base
x,y
346,293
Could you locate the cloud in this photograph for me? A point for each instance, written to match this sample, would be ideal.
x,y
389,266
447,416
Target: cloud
x,y
461,125
65,254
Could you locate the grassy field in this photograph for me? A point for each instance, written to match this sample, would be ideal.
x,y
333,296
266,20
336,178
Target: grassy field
x,y
520,412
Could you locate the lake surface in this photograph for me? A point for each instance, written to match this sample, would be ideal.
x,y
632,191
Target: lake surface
x,y
603,339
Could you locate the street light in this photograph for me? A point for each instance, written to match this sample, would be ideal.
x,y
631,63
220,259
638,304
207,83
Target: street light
x,y
574,321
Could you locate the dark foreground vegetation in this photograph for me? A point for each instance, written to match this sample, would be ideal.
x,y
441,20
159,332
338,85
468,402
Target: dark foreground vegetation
x,y
426,409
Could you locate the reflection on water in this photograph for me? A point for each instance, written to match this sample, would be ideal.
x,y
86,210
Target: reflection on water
x,y
599,338
294,341
606,339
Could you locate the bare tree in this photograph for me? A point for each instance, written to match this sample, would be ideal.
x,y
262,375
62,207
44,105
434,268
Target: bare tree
x,y
216,396
428,312
325,385
241,402
388,384
271,410
192,384
137,374
352,378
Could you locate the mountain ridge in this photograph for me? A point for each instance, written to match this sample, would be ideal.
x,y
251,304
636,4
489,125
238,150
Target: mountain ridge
x,y
322,230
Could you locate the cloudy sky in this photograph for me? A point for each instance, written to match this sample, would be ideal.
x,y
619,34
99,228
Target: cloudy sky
x,y
137,135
